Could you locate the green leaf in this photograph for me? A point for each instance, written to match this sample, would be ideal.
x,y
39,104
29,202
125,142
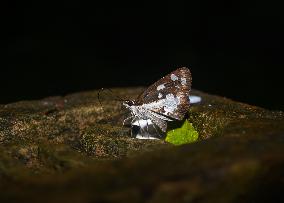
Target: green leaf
x,y
182,135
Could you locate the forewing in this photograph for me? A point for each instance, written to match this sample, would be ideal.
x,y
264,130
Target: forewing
x,y
168,96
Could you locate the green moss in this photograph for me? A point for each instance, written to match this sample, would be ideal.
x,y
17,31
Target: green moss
x,y
183,135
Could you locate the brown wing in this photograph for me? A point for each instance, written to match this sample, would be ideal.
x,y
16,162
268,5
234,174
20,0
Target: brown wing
x,y
177,84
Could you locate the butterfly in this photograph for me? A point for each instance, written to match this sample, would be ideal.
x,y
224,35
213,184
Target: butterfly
x,y
165,100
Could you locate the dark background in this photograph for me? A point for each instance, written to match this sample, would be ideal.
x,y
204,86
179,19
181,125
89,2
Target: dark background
x,y
233,49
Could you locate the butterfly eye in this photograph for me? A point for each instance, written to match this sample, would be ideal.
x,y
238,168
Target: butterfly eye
x,y
129,102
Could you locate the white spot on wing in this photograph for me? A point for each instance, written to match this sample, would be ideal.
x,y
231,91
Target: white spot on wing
x,y
160,87
171,103
174,77
183,81
194,99
160,95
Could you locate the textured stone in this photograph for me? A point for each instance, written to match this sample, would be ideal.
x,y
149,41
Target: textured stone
x,y
70,149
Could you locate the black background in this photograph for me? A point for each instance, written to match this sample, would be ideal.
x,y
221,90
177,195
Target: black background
x,y
54,48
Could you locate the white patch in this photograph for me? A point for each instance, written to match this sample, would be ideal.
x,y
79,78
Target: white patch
x,y
183,81
171,103
174,77
194,99
160,95
160,87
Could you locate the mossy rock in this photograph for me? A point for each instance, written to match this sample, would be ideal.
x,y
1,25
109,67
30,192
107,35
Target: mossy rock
x,y
70,149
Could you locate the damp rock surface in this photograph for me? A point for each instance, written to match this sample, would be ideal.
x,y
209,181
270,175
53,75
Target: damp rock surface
x,y
70,149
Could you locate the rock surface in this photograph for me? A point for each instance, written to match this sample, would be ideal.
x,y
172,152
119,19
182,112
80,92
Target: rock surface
x,y
69,149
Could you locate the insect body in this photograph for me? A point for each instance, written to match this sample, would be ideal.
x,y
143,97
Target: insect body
x,y
165,100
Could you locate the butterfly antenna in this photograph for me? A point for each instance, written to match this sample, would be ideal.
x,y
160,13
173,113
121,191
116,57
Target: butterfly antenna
x,y
99,98
116,98
147,128
112,93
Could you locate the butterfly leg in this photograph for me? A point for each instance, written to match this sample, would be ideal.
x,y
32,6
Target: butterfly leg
x,y
157,132
147,126
133,118
130,117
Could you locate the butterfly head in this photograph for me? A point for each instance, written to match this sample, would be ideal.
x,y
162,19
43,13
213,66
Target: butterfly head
x,y
128,103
